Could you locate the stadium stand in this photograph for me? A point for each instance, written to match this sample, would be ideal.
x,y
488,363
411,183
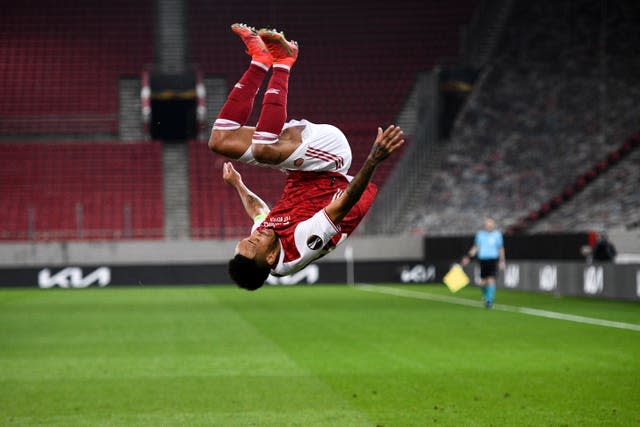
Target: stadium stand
x,y
608,196
216,210
556,99
59,80
351,73
346,75
61,62
68,191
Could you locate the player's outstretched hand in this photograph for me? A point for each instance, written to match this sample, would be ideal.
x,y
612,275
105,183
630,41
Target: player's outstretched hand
x,y
386,142
230,175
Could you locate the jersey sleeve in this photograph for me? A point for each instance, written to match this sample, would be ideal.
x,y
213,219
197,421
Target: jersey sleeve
x,y
312,235
310,238
257,221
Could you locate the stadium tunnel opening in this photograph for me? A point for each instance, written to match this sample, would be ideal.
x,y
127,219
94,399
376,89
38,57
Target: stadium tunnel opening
x,y
173,106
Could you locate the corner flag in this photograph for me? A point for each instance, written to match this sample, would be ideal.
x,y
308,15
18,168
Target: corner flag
x,y
456,278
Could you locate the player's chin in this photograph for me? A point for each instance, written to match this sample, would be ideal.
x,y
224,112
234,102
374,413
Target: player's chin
x,y
250,287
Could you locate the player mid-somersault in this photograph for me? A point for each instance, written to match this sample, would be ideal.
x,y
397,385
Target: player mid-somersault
x,y
320,205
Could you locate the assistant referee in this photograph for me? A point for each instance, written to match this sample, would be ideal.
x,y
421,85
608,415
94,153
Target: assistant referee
x,y
489,247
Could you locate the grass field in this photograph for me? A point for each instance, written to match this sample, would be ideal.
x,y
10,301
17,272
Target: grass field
x,y
312,356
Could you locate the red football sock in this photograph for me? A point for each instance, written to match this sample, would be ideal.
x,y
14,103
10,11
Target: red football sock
x,y
274,107
236,110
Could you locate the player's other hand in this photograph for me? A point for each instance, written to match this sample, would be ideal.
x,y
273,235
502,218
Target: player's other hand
x,y
386,142
230,175
465,260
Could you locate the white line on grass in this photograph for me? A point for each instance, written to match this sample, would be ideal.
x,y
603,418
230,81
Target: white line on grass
x,y
501,307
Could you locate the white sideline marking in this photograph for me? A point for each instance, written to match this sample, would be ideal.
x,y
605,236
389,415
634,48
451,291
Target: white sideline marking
x,y
500,307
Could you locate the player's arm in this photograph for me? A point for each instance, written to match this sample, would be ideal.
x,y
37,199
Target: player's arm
x,y
385,143
503,260
470,254
253,205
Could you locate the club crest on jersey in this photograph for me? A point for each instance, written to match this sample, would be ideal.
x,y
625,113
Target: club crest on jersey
x,y
314,242
298,162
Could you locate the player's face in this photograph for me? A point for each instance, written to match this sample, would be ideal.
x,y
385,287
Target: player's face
x,y
258,245
489,224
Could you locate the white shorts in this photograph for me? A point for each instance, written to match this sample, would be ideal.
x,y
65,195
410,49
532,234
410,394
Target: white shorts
x,y
324,148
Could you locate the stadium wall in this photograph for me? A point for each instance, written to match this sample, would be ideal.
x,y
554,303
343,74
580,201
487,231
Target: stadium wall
x,y
603,280
361,260
82,264
376,248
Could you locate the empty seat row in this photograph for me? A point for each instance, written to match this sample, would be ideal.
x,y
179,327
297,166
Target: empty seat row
x,y
87,190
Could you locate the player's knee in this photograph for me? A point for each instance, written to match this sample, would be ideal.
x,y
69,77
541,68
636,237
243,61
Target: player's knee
x,y
215,141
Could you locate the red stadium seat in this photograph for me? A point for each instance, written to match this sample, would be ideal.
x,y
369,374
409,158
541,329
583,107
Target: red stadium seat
x,y
62,62
216,211
62,191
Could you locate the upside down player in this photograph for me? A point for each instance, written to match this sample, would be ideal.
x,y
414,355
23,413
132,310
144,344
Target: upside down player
x,y
320,205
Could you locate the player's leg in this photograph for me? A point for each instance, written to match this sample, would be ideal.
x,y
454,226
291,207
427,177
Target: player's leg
x,y
229,136
489,281
485,273
491,292
483,287
274,104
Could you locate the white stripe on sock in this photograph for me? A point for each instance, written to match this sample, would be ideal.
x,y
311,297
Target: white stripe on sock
x,y
224,124
264,138
261,65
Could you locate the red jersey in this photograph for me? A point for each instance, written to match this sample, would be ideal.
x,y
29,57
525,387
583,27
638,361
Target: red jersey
x,y
299,220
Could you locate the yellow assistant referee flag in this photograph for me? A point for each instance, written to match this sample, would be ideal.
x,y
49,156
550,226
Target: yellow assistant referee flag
x,y
456,278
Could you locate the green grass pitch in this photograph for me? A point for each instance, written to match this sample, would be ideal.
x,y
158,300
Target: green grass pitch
x,y
312,356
